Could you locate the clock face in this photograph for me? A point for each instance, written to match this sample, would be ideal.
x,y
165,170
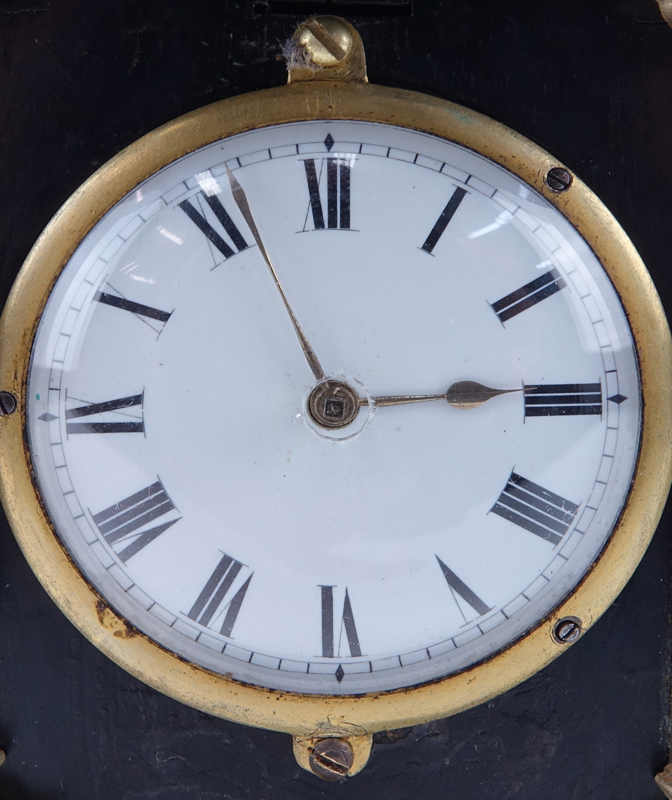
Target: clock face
x,y
333,537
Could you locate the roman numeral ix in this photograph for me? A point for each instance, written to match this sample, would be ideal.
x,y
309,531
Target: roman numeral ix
x,y
123,524
347,625
338,193
529,295
535,509
212,603
105,408
563,399
442,222
220,213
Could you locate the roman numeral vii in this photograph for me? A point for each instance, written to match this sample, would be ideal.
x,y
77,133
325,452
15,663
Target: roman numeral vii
x,y
214,607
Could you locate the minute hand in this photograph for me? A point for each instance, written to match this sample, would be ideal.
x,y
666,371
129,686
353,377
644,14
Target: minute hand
x,y
463,394
241,201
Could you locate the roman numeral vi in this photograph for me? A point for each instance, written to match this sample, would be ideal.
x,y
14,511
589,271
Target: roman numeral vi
x,y
347,625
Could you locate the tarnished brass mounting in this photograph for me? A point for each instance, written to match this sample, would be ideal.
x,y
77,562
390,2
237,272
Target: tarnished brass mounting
x,y
325,49
333,754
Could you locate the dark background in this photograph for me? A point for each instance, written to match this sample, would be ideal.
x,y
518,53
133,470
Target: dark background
x,y
590,81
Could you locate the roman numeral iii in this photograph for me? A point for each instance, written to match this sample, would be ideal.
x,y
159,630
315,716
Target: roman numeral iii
x,y
214,608
535,509
198,217
347,626
563,399
529,295
102,409
123,525
338,193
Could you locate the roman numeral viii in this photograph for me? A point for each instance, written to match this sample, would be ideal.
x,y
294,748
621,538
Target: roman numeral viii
x,y
529,295
563,399
101,409
338,193
347,625
123,525
213,607
535,509
220,214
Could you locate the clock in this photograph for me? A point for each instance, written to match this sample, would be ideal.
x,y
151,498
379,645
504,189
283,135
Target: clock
x,y
334,408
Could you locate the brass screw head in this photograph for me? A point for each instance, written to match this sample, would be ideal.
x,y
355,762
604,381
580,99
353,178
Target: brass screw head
x,y
331,759
7,404
559,179
326,40
567,630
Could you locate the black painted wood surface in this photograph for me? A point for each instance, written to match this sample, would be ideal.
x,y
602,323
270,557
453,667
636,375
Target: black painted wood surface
x,y
589,81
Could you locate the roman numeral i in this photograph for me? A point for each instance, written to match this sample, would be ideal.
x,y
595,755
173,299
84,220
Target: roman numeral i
x,y
123,524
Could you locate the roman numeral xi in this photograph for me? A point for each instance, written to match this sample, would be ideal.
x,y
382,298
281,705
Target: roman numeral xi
x,y
535,509
124,524
221,215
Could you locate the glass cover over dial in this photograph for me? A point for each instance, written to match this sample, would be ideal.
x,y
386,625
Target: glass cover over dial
x,y
334,407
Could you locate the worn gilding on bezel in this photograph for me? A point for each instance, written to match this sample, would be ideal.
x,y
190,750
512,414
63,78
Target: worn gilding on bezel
x,y
309,715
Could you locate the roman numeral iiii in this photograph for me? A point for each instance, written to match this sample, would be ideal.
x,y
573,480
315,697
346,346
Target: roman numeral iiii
x,y
535,509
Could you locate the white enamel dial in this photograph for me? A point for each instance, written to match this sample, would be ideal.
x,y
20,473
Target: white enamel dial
x,y
176,455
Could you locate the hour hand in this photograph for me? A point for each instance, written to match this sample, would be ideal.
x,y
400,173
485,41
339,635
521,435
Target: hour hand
x,y
463,394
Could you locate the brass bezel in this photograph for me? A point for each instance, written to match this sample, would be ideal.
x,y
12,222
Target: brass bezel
x,y
285,711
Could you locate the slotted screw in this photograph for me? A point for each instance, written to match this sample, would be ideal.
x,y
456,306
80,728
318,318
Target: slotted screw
x,y
331,759
558,179
567,630
7,404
